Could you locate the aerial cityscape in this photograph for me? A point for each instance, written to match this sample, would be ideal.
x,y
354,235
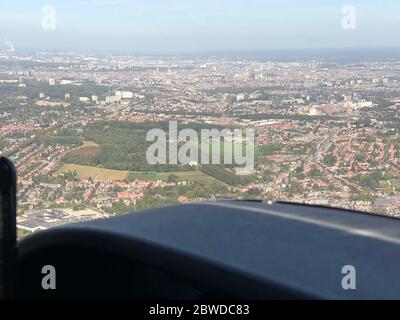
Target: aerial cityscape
x,y
199,151
326,131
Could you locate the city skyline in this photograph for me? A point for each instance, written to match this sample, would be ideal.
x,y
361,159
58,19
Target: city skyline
x,y
76,126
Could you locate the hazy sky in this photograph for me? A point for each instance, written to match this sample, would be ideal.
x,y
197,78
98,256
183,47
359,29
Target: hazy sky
x,y
199,25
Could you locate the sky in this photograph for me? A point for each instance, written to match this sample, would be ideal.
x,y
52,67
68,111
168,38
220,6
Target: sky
x,y
198,25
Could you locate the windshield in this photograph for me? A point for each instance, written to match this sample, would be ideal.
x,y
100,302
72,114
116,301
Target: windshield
x,y
109,107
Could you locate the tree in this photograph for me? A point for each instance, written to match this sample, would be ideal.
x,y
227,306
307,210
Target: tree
x,y
172,178
330,160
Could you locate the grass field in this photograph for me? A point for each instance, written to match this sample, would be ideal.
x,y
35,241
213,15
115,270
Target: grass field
x,y
230,152
87,150
89,144
85,172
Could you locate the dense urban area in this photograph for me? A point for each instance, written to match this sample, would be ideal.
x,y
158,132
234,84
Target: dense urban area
x,y
327,131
